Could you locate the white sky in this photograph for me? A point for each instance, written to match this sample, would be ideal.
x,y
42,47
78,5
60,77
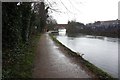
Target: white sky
x,y
85,11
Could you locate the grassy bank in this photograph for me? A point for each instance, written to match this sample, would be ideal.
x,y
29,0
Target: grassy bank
x,y
22,65
97,71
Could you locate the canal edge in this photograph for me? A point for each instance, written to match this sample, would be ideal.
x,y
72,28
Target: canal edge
x,y
99,73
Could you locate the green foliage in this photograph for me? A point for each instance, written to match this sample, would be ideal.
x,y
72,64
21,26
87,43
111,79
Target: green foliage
x,y
18,23
22,65
25,9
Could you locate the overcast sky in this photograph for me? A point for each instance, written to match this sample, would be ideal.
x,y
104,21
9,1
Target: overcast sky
x,y
85,11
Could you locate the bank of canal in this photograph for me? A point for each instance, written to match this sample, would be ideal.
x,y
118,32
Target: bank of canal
x,y
86,64
99,50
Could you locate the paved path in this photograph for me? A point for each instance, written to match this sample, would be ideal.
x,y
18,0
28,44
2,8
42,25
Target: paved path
x,y
50,62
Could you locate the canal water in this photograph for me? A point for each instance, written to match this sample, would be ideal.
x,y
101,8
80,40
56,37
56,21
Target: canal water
x,y
100,51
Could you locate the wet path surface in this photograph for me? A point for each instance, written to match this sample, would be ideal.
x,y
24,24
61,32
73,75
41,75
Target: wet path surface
x,y
50,62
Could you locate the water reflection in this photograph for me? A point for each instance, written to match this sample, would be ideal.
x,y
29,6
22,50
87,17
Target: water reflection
x,y
93,37
112,39
75,35
62,32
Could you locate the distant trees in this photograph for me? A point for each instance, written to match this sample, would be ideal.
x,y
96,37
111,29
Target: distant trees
x,y
107,29
94,28
74,27
51,23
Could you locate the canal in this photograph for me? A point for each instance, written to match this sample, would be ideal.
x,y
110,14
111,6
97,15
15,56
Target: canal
x,y
100,51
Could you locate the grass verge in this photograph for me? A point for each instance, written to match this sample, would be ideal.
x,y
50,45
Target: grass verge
x,y
22,63
100,74
28,58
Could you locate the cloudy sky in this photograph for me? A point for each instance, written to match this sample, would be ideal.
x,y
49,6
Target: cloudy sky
x,y
85,11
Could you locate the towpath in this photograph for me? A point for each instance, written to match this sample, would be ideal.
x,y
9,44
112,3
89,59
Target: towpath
x,y
51,62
